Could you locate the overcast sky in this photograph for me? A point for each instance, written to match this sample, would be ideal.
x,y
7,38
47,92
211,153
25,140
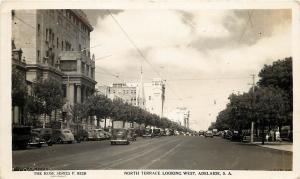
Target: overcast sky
x,y
203,55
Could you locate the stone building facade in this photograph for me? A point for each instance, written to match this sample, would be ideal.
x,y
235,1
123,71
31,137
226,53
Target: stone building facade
x,y
56,45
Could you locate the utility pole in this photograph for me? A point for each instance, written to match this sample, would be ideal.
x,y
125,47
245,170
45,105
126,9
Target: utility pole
x,y
252,108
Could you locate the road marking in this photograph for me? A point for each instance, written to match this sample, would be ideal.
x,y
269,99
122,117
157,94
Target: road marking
x,y
113,163
160,157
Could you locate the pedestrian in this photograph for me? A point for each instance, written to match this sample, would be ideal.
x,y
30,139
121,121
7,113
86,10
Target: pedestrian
x,y
272,135
267,137
277,135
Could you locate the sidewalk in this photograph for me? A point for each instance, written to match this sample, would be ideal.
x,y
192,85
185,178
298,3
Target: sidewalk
x,y
285,146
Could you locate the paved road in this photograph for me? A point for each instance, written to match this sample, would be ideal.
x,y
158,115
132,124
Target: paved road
x,y
175,152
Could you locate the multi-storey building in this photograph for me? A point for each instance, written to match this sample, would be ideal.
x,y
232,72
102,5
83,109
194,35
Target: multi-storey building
x,y
151,98
125,91
56,45
155,96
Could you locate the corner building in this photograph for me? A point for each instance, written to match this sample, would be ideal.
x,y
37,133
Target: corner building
x,y
56,45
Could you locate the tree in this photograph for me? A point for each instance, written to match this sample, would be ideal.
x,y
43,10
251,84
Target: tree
x,y
99,106
79,112
271,107
279,75
47,96
19,88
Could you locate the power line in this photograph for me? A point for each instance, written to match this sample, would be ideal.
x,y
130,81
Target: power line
x,y
248,21
204,79
107,72
24,22
140,52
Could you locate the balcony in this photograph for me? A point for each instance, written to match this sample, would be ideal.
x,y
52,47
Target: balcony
x,y
76,63
76,55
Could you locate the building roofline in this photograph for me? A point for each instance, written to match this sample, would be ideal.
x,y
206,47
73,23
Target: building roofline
x,y
82,16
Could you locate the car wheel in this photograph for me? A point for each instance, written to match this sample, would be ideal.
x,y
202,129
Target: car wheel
x,y
59,141
112,143
49,143
39,145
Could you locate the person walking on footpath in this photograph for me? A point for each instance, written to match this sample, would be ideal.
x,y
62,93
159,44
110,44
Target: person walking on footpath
x,y
277,135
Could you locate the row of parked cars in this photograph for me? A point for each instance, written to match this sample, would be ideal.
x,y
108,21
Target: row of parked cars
x,y
24,136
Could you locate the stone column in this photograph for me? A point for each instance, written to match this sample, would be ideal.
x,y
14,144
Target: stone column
x,y
87,92
78,93
83,93
71,94
78,66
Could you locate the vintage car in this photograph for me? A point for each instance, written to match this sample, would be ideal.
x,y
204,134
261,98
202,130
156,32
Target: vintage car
x,y
96,134
36,140
45,134
209,133
148,133
81,135
156,132
237,136
132,134
201,133
119,136
162,132
107,135
63,136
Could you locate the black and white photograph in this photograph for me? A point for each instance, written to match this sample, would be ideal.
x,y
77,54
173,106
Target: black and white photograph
x,y
151,90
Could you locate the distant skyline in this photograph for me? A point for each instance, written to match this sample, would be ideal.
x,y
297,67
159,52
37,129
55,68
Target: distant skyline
x,y
203,55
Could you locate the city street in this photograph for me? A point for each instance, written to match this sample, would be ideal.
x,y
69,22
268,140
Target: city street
x,y
174,152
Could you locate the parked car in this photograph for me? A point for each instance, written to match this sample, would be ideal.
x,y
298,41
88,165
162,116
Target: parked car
x,y
209,133
20,137
131,134
119,136
63,136
148,133
81,135
156,132
228,134
107,135
162,132
36,140
96,134
236,136
45,134
286,133
201,133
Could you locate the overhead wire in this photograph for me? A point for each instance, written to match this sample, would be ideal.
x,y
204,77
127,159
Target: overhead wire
x,y
140,52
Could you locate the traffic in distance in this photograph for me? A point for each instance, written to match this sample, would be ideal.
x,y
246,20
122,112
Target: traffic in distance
x,y
24,137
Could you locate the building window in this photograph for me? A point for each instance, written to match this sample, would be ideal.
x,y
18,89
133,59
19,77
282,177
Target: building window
x,y
38,55
57,44
46,34
62,45
39,28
